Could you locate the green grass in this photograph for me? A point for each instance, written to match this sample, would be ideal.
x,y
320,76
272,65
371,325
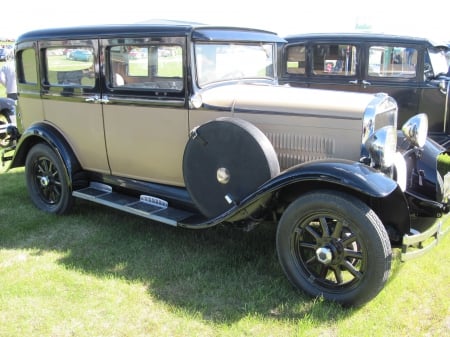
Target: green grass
x,y
100,272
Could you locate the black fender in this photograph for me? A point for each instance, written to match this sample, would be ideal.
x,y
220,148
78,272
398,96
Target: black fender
x,y
379,191
425,176
46,133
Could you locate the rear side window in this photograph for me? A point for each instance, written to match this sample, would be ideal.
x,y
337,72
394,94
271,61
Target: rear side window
x,y
392,61
296,59
72,67
146,67
334,59
27,66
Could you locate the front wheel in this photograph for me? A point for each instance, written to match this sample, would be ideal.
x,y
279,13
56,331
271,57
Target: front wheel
x,y
333,245
47,180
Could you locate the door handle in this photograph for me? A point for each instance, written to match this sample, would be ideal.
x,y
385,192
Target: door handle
x,y
353,82
97,99
365,83
104,99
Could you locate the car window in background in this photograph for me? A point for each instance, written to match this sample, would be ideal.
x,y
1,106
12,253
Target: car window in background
x,y
296,59
334,59
390,61
438,61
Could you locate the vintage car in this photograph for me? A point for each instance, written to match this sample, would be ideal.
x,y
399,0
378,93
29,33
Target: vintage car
x,y
412,70
197,132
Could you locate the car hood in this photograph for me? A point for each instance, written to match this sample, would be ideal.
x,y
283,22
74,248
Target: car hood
x,y
287,100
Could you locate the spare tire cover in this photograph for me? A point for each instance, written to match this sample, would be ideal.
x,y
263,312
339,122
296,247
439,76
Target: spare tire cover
x,y
224,161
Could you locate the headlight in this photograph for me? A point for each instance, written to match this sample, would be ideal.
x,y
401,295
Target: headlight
x,y
416,129
382,146
196,101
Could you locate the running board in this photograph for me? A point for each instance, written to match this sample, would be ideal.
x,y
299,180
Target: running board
x,y
146,206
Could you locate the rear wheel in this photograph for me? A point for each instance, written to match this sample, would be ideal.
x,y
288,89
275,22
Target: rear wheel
x,y
333,245
47,180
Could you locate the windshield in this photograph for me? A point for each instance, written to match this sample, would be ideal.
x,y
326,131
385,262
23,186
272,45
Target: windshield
x,y
438,61
231,61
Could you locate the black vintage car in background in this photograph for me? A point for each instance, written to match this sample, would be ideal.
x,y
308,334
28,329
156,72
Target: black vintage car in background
x,y
413,70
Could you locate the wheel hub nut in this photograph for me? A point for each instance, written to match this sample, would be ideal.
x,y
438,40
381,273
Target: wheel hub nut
x,y
44,181
324,255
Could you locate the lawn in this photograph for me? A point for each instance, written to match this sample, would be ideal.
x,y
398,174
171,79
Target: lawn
x,y
100,272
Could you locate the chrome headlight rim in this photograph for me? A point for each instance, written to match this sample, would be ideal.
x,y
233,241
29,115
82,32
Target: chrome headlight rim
x,y
382,146
415,129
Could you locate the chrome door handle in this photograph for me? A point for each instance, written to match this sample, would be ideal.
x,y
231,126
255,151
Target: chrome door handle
x,y
353,82
97,99
104,99
365,83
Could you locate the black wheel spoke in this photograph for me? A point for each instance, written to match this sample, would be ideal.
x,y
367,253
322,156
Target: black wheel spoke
x,y
337,230
349,267
324,225
353,254
338,275
308,245
312,231
323,271
311,260
349,240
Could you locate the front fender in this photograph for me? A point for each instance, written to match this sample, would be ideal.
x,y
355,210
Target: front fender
x,y
377,190
348,174
45,133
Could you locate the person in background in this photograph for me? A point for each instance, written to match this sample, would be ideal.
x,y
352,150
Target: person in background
x,y
8,79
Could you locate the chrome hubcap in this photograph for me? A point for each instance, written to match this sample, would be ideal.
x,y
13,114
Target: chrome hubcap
x,y
44,181
324,255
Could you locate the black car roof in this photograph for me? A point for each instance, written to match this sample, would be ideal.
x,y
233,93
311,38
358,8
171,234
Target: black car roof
x,y
196,31
366,37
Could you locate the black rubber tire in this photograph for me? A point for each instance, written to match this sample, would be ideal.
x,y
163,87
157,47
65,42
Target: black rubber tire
x,y
47,180
347,228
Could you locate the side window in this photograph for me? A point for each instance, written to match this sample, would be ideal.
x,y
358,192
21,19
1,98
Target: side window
x,y
334,59
296,59
391,61
146,67
73,67
27,66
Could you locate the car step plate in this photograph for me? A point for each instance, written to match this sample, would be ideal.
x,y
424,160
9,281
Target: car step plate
x,y
149,207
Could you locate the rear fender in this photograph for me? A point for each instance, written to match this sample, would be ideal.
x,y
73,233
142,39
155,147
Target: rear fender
x,y
45,133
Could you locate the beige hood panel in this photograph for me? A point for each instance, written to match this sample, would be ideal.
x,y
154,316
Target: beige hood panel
x,y
287,100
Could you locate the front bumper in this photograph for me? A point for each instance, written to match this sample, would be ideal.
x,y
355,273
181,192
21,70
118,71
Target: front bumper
x,y
420,242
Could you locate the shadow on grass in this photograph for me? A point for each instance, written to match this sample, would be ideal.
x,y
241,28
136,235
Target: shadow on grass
x,y
223,273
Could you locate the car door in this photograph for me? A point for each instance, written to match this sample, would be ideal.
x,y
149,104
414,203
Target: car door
x,y
145,114
395,68
70,89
